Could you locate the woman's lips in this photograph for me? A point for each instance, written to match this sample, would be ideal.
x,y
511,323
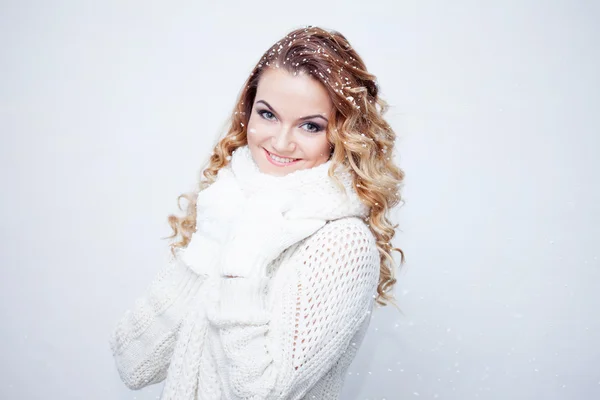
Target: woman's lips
x,y
277,163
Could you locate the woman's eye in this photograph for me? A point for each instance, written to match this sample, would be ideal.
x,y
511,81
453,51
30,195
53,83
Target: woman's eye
x,y
266,114
312,127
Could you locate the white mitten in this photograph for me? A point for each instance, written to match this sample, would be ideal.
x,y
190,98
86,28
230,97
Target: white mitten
x,y
222,199
202,255
216,207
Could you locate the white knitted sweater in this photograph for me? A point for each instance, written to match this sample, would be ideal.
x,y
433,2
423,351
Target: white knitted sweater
x,y
268,301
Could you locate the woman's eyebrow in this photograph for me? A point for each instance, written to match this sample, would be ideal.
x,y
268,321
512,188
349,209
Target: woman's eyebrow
x,y
299,119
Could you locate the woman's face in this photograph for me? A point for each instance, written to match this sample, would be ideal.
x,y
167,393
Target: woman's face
x,y
288,123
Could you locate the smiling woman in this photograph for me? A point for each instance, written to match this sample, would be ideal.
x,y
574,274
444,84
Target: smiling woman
x,y
285,249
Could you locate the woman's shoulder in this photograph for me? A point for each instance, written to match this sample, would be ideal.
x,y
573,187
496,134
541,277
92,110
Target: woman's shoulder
x,y
341,249
346,229
348,235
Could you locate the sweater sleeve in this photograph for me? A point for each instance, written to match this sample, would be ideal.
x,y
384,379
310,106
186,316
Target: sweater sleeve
x,y
144,338
331,291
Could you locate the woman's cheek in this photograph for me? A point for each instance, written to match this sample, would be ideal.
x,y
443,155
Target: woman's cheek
x,y
261,129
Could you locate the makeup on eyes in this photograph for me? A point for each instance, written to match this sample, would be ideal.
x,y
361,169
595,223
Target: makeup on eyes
x,y
318,127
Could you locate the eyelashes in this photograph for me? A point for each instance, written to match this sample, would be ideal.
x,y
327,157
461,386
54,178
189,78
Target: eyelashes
x,y
269,116
263,112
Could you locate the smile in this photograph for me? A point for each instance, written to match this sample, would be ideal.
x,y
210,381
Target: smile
x,y
280,161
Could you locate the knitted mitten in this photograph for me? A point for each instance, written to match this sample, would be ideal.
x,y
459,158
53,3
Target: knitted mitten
x,y
217,207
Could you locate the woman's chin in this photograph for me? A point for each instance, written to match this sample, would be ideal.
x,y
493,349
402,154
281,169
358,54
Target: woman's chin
x,y
275,171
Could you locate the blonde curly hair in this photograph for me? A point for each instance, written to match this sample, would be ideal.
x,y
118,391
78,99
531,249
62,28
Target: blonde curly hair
x,y
359,136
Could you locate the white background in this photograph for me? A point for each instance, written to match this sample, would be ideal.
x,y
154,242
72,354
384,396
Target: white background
x,y
108,110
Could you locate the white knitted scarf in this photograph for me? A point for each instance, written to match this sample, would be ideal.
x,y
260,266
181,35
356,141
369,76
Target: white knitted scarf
x,y
315,195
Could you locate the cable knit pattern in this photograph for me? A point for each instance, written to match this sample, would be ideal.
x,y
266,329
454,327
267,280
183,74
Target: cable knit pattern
x,y
144,339
285,319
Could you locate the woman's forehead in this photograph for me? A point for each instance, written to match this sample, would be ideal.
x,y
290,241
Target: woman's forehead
x,y
293,94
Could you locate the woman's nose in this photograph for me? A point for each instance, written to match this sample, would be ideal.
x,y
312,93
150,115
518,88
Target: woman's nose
x,y
283,141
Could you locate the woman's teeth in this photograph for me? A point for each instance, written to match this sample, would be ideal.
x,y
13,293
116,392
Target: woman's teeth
x,y
281,160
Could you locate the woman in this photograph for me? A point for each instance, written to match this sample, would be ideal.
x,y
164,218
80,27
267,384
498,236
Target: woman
x,y
285,248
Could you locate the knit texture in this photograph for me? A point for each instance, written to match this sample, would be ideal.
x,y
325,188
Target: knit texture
x,y
241,315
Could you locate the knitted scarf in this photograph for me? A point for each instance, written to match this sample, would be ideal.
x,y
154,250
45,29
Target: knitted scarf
x,y
313,194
